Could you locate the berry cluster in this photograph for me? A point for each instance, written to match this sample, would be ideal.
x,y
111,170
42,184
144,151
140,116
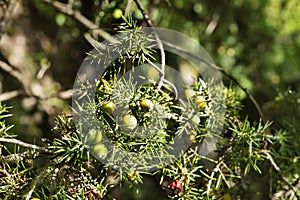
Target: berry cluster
x,y
176,185
93,194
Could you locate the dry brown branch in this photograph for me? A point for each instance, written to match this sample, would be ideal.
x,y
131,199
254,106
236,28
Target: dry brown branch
x,y
11,70
65,8
36,182
128,7
7,9
24,144
9,95
67,94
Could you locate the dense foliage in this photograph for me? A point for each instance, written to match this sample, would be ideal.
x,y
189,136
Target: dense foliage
x,y
44,155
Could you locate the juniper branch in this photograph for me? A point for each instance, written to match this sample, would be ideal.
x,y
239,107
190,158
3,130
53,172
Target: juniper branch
x,y
250,96
158,40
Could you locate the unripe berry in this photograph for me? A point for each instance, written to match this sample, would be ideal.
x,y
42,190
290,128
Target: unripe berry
x,y
192,136
201,102
100,150
117,14
132,175
130,121
94,137
108,107
196,119
226,196
189,93
193,139
146,104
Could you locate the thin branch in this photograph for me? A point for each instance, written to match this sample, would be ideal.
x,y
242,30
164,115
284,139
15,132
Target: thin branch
x,y
158,40
215,170
277,169
67,94
90,39
144,12
5,172
213,24
9,95
36,182
128,7
252,99
11,70
5,19
219,162
42,71
164,80
163,60
24,144
65,8
12,158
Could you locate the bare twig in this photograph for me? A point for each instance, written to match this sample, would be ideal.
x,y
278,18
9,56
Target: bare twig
x,y
160,45
25,91
4,20
128,7
5,172
11,70
164,80
213,24
24,144
158,40
90,39
252,99
218,165
36,182
212,175
64,8
9,95
67,94
11,158
144,12
277,169
42,71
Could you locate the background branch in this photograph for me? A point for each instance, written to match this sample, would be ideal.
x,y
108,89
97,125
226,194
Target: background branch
x,y
252,99
65,8
24,144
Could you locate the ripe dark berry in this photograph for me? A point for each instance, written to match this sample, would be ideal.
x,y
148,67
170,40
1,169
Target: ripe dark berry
x,y
91,195
176,185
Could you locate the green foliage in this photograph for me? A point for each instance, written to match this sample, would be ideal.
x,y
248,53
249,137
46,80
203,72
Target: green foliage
x,y
255,41
4,113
